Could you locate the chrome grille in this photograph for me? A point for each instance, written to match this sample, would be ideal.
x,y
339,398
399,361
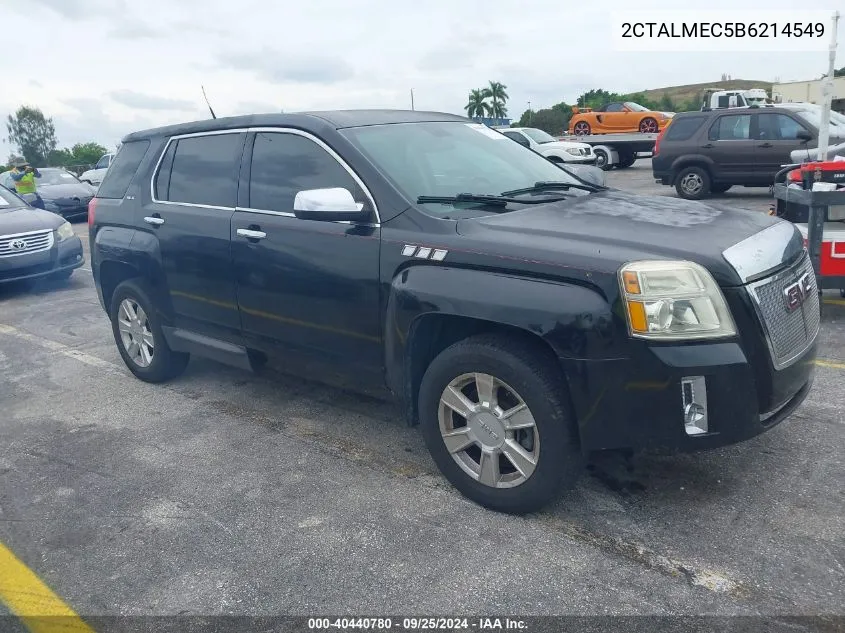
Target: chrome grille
x,y
788,334
25,243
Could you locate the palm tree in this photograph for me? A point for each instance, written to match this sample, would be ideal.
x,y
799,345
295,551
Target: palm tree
x,y
498,93
477,105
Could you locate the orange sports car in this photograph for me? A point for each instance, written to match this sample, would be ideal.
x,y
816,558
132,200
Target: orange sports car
x,y
617,117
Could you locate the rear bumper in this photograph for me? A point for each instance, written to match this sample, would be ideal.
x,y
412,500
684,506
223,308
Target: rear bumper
x,y
638,403
63,256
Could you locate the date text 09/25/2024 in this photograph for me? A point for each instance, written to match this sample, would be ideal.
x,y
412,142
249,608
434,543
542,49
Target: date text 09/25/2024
x,y
417,624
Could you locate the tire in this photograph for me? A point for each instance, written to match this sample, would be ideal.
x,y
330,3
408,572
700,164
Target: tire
x,y
649,125
719,188
602,160
581,128
162,363
692,183
537,382
626,160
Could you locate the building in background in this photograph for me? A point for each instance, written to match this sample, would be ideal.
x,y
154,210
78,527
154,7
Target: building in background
x,y
810,92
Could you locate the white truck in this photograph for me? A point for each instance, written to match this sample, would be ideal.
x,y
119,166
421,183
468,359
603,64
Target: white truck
x,y
95,176
718,99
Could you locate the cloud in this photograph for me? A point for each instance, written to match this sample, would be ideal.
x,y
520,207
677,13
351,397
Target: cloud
x,y
134,30
255,107
76,9
295,68
142,101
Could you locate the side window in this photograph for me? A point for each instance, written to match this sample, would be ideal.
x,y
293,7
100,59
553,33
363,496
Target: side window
x,y
123,168
784,127
733,127
519,138
615,107
284,164
103,162
162,179
684,128
205,170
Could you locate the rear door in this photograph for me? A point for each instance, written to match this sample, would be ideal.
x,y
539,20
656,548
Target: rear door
x,y
728,144
194,195
776,136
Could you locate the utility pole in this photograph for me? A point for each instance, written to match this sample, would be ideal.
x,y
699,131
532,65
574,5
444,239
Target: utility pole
x,y
412,98
827,93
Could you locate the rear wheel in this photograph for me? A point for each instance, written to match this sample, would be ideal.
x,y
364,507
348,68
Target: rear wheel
x,y
136,326
496,418
648,125
581,128
602,160
626,159
692,183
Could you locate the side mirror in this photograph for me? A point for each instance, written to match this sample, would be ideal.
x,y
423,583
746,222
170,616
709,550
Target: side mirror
x,y
592,174
804,136
329,205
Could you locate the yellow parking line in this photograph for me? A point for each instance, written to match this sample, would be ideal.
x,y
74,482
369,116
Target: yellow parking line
x,y
830,364
834,302
27,597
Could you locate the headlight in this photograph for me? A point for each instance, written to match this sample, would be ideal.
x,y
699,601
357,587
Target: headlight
x,y
64,231
574,151
674,300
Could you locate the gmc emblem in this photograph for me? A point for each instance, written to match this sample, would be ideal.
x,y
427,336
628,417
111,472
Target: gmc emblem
x,y
797,293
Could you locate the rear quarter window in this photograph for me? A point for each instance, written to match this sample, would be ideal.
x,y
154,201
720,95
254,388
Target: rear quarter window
x,y
683,129
122,170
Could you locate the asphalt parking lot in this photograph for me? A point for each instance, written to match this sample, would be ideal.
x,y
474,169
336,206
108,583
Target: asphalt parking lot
x,y
226,492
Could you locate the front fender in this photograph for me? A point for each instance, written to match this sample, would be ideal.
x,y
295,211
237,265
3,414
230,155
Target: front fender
x,y
575,321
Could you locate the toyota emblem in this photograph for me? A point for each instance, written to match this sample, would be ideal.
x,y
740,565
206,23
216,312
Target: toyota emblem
x,y
18,245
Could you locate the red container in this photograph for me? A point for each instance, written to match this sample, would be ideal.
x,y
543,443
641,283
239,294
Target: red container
x,y
833,248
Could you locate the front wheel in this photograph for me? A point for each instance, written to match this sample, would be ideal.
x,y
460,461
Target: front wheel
x,y
648,125
136,326
496,417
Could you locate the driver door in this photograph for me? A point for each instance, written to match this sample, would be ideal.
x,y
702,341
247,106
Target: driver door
x,y
613,117
307,290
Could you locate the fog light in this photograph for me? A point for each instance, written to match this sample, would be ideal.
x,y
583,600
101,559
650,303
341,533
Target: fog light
x,y
694,398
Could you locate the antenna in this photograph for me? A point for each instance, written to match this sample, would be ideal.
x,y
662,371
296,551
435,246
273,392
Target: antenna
x,y
213,116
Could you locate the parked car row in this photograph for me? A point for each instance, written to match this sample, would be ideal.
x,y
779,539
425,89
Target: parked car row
x,y
62,192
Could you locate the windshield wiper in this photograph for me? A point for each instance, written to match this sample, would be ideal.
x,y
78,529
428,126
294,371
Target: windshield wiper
x,y
545,185
487,199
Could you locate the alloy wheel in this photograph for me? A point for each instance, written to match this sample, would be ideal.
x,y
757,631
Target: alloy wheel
x,y
489,430
135,332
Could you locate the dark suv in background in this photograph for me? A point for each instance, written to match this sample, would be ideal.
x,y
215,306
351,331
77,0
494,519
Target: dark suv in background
x,y
701,153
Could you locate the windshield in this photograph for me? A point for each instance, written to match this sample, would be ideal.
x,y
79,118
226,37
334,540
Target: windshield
x,y
8,200
636,107
447,158
56,177
538,135
813,116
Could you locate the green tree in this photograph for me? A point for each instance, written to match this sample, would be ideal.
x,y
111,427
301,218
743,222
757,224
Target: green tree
x,y
477,105
497,91
666,104
839,72
87,153
32,133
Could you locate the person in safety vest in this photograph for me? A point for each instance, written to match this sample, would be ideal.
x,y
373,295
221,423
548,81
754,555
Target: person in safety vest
x,y
24,175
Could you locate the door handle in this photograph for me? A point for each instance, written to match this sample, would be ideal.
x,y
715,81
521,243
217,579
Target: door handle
x,y
765,145
707,145
155,220
251,234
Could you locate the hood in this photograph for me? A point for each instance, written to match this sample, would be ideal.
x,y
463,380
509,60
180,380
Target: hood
x,y
564,145
25,219
602,231
66,192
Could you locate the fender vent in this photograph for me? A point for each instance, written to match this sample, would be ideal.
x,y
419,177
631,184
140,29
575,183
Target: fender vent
x,y
424,252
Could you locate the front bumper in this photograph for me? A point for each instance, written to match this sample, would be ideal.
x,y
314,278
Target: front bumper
x,y
637,403
63,256
580,160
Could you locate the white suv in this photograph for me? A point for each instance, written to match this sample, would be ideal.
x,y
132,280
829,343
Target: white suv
x,y
95,176
550,147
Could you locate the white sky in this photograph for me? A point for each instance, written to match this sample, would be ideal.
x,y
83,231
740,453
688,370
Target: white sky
x,y
103,68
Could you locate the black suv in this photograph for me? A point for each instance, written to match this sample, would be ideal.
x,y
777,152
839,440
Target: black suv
x,y
521,315
706,152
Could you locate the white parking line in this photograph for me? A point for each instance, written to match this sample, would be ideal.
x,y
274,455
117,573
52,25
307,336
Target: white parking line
x,y
60,348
